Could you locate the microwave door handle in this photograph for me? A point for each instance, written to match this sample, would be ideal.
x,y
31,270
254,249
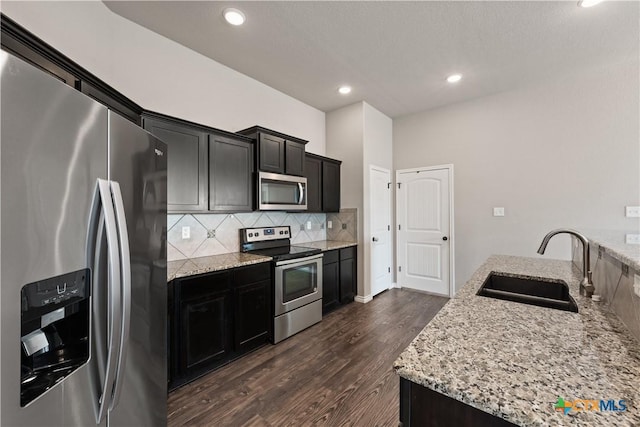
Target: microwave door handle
x,y
301,188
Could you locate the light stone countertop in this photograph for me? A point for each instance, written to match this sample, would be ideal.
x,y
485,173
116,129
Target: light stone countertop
x,y
514,360
615,244
208,264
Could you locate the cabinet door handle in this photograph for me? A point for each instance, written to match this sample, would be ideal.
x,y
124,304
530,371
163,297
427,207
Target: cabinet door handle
x,y
445,238
375,239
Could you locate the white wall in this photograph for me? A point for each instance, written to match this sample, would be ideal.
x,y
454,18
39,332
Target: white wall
x,y
163,76
377,151
360,136
564,153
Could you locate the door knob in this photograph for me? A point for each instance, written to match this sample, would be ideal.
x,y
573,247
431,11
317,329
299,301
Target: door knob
x,y
375,239
445,238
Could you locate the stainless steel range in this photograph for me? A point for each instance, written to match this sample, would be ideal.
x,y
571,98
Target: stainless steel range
x,y
297,278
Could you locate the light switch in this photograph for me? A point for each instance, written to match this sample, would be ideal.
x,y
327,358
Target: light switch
x,y
186,232
633,212
308,225
329,224
498,211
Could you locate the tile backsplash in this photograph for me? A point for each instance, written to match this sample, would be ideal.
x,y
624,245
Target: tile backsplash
x,y
215,234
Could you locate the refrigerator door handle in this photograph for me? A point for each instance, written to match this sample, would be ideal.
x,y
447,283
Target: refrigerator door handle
x,y
125,268
114,303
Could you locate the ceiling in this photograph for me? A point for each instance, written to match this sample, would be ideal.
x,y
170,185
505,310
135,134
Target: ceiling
x,y
396,55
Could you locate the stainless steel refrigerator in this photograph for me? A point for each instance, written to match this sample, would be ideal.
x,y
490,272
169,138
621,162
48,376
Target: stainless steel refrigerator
x,y
82,259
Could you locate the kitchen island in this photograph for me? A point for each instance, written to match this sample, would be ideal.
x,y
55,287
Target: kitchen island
x,y
514,361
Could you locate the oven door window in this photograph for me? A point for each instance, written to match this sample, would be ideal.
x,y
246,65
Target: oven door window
x,y
299,281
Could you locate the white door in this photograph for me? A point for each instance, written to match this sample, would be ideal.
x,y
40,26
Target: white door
x,y
423,215
380,201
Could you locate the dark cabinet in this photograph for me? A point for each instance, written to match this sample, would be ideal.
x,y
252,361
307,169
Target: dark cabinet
x,y
330,281
348,274
187,168
230,174
216,318
339,278
208,169
277,152
323,183
252,307
111,100
204,316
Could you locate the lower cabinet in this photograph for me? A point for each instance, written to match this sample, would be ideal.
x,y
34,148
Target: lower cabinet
x,y
423,407
339,278
215,318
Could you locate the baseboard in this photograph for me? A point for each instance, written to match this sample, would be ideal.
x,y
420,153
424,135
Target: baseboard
x,y
394,285
365,299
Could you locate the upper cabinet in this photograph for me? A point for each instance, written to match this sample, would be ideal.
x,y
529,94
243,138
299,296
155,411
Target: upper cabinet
x,y
323,183
277,152
230,174
209,170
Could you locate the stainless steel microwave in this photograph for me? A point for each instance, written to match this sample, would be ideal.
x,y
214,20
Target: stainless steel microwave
x,y
278,192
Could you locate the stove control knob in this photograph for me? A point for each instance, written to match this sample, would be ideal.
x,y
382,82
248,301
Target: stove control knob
x,y
257,234
281,232
286,231
250,234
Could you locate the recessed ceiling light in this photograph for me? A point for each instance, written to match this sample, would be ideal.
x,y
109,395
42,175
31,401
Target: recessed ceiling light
x,y
588,3
344,90
234,16
454,78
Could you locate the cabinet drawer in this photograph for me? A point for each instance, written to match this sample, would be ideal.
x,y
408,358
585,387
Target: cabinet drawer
x,y
347,253
252,274
204,285
330,256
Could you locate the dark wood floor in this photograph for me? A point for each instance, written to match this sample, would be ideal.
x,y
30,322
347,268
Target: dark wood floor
x,y
336,373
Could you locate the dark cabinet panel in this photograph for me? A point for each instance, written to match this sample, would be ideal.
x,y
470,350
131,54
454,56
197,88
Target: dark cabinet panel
x,y
294,158
252,315
323,183
313,172
277,152
271,153
202,337
205,330
187,170
230,174
347,280
330,186
330,280
339,283
216,318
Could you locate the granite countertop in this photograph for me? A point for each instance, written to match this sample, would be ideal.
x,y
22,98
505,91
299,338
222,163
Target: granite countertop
x,y
328,245
515,360
615,244
208,264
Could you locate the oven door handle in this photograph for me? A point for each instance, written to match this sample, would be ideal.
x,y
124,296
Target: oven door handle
x,y
299,260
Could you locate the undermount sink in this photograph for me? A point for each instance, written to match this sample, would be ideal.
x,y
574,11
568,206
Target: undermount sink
x,y
548,293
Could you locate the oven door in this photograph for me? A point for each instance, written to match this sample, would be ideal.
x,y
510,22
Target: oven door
x,y
298,282
281,192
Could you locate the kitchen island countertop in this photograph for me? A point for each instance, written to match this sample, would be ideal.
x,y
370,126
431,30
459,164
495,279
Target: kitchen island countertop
x,y
515,360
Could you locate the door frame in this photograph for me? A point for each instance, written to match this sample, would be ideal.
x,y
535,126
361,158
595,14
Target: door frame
x,y
391,234
449,168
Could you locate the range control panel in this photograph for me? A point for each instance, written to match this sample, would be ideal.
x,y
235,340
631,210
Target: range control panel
x,y
250,235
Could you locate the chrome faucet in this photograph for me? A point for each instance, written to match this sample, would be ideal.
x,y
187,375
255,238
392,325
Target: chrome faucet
x,y
586,285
